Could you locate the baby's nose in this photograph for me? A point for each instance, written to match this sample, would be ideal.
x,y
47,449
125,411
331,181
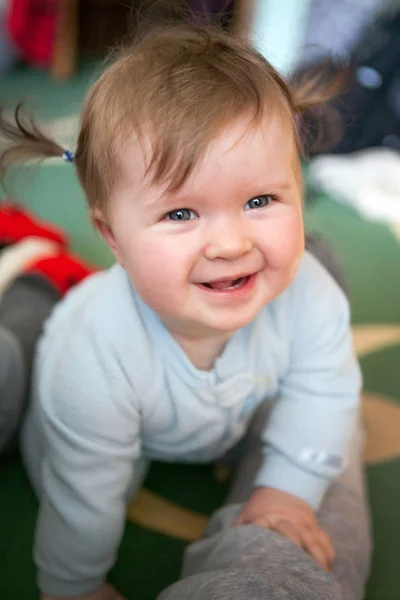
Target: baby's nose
x,y
228,242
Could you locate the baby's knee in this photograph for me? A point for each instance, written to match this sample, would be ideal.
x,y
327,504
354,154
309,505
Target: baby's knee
x,y
249,562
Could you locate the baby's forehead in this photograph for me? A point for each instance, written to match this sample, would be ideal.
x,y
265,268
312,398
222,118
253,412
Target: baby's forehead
x,y
243,140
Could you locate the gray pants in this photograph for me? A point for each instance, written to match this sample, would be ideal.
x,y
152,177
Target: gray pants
x,y
253,563
24,306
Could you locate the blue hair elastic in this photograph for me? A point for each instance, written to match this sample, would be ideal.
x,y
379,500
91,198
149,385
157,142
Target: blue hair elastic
x,y
68,156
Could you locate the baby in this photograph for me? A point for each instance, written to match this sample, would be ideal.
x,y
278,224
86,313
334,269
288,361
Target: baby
x,y
188,153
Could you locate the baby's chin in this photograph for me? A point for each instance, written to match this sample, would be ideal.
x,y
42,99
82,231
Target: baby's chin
x,y
231,321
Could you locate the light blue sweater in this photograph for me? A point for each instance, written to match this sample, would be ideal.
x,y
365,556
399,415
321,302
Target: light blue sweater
x,y
112,386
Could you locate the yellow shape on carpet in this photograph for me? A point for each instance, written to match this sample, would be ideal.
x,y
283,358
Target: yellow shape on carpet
x,y
371,338
153,512
381,417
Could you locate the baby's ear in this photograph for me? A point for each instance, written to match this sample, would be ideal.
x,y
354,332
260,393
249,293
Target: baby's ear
x,y
102,225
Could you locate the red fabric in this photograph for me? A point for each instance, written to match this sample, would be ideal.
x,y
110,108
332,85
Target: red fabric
x,y
17,224
32,25
63,271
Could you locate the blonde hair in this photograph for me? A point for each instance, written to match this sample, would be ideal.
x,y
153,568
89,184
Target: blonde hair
x,y
177,87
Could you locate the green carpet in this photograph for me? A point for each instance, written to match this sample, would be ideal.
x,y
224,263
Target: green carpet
x,y
370,255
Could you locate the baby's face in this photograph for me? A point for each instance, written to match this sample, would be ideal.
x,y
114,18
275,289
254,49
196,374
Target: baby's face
x,y
208,257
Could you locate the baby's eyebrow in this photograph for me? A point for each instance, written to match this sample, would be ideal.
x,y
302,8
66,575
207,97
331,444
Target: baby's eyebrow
x,y
270,187
279,185
167,199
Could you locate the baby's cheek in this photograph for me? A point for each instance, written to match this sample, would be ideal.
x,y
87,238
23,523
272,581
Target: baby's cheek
x,y
155,275
150,271
285,247
294,236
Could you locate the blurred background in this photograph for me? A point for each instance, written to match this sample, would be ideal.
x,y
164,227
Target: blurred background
x,y
50,52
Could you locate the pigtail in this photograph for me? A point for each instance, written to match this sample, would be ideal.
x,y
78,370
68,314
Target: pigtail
x,y
22,141
317,94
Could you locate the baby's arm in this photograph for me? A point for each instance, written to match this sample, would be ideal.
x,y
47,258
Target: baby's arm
x,y
91,430
308,432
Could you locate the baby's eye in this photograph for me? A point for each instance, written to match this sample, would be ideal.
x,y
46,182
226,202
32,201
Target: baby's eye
x,y
181,214
259,201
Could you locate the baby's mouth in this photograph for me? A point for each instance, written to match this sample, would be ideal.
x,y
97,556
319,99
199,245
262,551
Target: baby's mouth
x,y
227,284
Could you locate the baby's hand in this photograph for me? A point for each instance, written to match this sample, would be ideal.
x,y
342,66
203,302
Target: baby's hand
x,y
291,517
105,592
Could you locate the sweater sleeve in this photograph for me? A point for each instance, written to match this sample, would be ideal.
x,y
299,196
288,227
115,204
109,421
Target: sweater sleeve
x,y
91,430
307,435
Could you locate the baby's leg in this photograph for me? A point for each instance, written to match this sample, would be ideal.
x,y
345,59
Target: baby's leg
x,y
345,517
251,563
